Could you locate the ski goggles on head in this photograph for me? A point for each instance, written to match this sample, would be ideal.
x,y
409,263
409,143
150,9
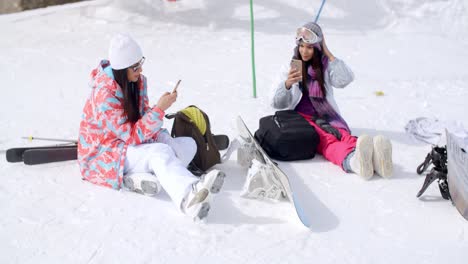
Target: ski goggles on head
x,y
135,67
306,35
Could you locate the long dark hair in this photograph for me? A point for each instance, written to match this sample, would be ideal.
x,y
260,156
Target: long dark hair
x,y
317,65
131,94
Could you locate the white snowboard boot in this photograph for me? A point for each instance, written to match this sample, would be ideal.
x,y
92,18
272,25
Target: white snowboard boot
x,y
196,203
142,182
382,157
361,162
261,183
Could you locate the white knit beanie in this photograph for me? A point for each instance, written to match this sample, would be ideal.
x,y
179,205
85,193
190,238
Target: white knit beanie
x,y
124,52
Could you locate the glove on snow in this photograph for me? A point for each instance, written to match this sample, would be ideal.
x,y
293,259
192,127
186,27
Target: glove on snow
x,y
327,127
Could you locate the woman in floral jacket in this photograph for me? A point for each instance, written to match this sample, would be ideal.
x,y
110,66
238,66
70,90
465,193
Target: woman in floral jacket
x,y
121,139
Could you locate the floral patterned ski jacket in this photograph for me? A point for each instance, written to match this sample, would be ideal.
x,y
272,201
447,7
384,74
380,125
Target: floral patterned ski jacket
x,y
105,133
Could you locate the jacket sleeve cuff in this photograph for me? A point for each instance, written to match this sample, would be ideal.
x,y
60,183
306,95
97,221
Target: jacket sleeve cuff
x,y
159,111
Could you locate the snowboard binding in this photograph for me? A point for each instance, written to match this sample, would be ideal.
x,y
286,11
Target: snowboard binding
x,y
438,158
261,182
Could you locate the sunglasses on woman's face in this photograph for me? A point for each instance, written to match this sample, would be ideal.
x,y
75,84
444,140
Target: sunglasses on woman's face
x,y
138,65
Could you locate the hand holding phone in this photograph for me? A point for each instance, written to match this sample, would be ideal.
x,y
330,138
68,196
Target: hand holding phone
x,y
295,74
296,64
177,85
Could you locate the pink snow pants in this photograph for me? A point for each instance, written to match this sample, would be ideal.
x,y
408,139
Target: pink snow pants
x,y
330,147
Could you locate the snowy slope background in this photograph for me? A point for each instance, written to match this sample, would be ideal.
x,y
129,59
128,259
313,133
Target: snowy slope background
x,y
414,51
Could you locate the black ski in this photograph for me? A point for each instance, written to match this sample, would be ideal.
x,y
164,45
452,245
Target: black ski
x,y
16,154
51,154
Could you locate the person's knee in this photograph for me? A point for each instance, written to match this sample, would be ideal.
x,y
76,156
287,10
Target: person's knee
x,y
160,157
162,151
189,144
185,149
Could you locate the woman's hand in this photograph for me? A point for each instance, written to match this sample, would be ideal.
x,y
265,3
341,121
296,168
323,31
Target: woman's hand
x,y
166,100
294,76
326,51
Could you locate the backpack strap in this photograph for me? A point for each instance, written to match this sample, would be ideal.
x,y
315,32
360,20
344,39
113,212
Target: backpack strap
x,y
170,116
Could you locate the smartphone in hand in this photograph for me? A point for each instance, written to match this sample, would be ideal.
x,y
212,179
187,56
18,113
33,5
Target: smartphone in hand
x,y
296,64
177,85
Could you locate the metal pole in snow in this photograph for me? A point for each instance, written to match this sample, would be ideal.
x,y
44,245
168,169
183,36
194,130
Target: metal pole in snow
x,y
31,138
320,11
254,79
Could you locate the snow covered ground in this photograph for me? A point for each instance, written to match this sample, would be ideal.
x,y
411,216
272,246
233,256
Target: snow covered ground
x,y
414,51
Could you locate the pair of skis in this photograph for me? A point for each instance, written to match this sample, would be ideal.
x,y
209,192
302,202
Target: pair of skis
x,y
66,151
42,155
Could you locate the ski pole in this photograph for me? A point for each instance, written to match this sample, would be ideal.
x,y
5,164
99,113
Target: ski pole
x,y
31,138
320,11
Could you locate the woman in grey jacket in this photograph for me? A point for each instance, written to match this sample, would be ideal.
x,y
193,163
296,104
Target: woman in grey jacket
x,y
308,89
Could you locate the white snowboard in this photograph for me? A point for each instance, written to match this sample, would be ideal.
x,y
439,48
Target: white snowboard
x,y
457,176
279,174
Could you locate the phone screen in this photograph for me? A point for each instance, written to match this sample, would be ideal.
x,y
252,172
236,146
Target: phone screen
x,y
177,85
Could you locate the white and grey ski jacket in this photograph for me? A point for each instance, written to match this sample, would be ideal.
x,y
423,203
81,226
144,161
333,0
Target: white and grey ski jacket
x,y
337,75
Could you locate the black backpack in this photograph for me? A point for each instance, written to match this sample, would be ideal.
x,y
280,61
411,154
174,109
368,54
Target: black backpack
x,y
287,136
207,151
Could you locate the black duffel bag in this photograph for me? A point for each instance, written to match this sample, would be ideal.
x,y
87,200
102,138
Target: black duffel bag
x,y
287,136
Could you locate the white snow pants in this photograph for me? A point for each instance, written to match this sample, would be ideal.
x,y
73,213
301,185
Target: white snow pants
x,y
168,159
